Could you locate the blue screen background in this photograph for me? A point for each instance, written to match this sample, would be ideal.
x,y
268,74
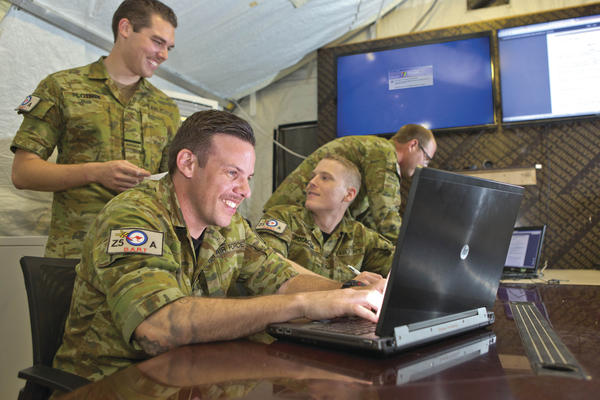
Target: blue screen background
x,y
461,94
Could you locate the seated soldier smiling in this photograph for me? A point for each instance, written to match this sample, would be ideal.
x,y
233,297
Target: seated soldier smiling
x,y
321,236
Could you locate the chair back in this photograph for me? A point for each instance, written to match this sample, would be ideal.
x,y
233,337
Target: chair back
x,y
49,284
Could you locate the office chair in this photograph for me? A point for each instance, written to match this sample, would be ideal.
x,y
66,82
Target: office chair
x,y
49,284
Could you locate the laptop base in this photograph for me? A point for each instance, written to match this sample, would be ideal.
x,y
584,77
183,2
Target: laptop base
x,y
405,336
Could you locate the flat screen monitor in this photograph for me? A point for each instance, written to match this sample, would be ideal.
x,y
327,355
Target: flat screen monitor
x,y
439,85
550,70
525,248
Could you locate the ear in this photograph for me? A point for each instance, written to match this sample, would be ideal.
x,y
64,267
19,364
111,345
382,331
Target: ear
x,y
186,163
350,194
125,27
413,144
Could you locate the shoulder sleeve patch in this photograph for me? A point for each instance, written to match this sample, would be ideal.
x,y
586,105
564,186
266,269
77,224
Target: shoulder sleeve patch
x,y
135,241
28,104
272,225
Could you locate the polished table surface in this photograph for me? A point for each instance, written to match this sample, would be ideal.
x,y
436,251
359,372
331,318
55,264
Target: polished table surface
x,y
488,363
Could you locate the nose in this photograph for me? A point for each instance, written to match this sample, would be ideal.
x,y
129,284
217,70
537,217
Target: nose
x,y
163,53
243,189
312,182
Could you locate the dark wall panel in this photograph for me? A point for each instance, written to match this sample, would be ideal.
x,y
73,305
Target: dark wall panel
x,y
566,196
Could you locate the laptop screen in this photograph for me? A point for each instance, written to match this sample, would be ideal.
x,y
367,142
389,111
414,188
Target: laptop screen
x,y
525,248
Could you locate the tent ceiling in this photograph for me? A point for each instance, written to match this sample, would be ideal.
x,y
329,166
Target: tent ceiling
x,y
227,49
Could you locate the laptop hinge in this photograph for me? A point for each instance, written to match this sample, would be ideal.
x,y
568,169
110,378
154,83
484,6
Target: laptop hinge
x,y
439,327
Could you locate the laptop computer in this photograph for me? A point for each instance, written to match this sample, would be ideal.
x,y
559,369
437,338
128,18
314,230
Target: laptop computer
x,y
446,269
524,253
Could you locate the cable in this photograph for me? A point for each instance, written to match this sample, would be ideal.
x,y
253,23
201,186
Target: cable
x,y
424,16
263,131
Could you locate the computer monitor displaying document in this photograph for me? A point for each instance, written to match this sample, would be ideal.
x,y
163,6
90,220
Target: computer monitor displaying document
x,y
524,251
550,70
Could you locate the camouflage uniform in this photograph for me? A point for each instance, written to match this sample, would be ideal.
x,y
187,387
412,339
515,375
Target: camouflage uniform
x,y
291,231
81,112
122,279
378,202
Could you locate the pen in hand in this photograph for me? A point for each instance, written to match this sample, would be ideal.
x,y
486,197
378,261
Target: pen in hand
x,y
351,268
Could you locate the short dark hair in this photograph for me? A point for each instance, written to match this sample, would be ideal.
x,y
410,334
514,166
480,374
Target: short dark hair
x,y
413,131
140,12
197,130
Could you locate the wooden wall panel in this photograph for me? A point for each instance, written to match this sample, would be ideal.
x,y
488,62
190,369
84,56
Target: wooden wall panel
x,y
566,196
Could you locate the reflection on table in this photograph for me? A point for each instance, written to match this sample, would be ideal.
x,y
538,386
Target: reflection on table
x,y
487,363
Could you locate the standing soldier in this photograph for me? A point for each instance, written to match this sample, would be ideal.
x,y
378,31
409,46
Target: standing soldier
x,y
112,128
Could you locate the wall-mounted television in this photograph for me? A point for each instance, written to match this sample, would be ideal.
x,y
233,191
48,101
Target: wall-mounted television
x,y
550,70
441,85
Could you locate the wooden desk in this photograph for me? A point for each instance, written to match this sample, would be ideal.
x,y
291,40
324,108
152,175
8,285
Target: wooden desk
x,y
485,364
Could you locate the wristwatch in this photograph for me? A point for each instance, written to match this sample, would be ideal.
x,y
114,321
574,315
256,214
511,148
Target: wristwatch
x,y
351,283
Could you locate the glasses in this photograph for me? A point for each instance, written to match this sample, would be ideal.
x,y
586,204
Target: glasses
x,y
428,158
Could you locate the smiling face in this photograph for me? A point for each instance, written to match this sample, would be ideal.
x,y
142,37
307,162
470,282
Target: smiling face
x,y
146,49
217,189
327,189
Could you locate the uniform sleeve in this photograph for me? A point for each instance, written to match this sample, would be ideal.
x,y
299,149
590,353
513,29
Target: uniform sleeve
x,y
383,189
135,285
43,125
379,253
274,229
264,269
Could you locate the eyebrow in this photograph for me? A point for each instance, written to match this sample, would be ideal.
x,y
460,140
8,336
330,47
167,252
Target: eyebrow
x,y
325,173
239,169
163,41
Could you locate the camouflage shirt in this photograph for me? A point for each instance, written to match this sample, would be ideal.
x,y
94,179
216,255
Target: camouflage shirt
x,y
378,202
81,112
138,257
291,231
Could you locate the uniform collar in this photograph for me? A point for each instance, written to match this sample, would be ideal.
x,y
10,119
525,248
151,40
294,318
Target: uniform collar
x,y
391,142
166,193
98,71
343,227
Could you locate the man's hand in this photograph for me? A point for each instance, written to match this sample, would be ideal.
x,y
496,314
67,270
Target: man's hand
x,y
369,278
30,171
362,302
118,175
378,285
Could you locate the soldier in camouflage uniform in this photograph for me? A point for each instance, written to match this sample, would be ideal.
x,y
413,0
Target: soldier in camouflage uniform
x,y
381,164
160,260
110,125
320,236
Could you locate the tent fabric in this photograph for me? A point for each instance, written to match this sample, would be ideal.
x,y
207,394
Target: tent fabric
x,y
232,48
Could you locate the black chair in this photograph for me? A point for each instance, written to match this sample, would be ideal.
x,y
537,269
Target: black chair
x,y
49,283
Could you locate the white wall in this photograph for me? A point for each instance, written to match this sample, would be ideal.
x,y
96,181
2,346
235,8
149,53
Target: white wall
x,y
287,101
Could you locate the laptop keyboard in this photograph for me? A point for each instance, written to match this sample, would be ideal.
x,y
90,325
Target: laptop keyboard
x,y
348,326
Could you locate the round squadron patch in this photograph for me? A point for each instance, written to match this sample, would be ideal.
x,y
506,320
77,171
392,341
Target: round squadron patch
x,y
136,238
272,225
